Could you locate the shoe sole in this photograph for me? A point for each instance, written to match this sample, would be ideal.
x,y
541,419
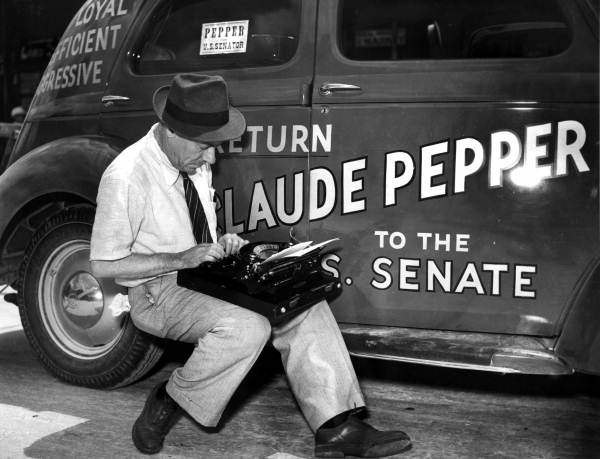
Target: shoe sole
x,y
387,449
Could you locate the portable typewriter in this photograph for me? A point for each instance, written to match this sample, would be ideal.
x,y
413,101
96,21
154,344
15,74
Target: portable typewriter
x,y
275,279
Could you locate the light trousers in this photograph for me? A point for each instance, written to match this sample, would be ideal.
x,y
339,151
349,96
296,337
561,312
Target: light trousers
x,y
228,341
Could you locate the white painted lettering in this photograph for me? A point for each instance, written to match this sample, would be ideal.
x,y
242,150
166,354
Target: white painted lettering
x,y
260,208
564,150
534,152
230,226
439,242
298,205
321,178
424,238
333,270
496,269
97,71
253,131
89,41
88,14
381,235
462,169
397,235
443,279
351,186
233,148
429,170
120,10
99,7
110,9
378,269
500,162
522,280
102,39
470,279
407,272
280,147
299,138
114,30
393,181
462,242
320,139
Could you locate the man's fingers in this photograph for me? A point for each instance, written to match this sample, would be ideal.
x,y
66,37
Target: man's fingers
x,y
211,252
217,250
231,243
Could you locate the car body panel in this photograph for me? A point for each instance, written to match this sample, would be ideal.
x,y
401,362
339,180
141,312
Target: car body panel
x,y
75,78
551,226
314,165
42,171
579,342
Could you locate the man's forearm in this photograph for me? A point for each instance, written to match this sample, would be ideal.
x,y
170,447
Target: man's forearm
x,y
137,265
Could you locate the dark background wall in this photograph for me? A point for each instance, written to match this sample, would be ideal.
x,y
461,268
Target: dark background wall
x,y
29,30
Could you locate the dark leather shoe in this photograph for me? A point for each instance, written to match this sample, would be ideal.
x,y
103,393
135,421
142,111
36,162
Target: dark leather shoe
x,y
357,438
159,415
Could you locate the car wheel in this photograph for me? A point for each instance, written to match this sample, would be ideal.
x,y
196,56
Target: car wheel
x,y
68,315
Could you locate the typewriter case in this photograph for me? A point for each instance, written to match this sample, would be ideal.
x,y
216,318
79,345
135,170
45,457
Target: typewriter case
x,y
278,289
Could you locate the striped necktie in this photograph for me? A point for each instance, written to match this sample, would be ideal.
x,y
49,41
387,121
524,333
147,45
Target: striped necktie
x,y
199,223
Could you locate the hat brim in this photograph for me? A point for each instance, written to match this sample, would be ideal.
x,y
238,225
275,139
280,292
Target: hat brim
x,y
233,129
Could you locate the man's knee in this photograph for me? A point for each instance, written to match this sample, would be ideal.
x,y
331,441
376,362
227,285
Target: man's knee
x,y
257,331
249,330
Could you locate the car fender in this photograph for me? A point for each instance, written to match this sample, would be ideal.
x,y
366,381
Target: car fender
x,y
72,165
579,342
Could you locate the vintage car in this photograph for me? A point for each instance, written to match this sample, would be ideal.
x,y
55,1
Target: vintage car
x,y
451,146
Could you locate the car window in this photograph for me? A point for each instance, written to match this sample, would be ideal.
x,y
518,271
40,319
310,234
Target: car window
x,y
461,29
191,35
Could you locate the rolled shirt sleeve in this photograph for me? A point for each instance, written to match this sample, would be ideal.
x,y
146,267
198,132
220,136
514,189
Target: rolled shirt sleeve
x,y
119,213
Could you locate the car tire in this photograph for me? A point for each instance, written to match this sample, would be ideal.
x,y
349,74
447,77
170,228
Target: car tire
x,y
70,318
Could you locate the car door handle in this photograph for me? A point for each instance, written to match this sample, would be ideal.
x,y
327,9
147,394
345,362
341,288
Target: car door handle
x,y
327,88
110,100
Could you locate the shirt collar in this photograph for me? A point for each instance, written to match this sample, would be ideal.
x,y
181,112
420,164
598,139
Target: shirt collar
x,y
170,174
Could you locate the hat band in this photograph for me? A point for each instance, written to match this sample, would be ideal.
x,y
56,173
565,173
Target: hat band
x,y
200,119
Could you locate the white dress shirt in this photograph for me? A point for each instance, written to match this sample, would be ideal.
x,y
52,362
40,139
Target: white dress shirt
x,y
142,208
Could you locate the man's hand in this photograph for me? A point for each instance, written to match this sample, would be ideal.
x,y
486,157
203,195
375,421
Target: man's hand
x,y
231,243
201,253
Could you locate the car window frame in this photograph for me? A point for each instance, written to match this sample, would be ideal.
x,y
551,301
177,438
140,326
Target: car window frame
x,y
511,80
454,63
141,28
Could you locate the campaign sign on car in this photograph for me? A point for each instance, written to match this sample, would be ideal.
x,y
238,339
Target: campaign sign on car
x,y
224,37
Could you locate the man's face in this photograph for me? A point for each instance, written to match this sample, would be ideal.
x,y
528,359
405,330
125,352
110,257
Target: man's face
x,y
188,155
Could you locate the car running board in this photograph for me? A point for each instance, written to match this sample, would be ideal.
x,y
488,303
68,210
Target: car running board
x,y
475,351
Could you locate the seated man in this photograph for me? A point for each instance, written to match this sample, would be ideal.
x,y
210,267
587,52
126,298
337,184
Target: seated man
x,y
155,216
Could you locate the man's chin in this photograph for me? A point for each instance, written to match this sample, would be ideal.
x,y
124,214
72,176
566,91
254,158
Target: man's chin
x,y
191,170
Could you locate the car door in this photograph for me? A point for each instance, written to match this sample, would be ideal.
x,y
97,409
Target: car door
x,y
463,173
265,52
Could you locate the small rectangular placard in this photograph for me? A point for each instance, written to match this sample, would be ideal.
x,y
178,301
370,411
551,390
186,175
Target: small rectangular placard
x,y
224,37
377,38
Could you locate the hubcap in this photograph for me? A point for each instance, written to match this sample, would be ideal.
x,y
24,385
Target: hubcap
x,y
75,306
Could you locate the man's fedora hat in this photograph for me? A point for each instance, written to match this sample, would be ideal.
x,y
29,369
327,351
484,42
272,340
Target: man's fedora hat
x,y
197,108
